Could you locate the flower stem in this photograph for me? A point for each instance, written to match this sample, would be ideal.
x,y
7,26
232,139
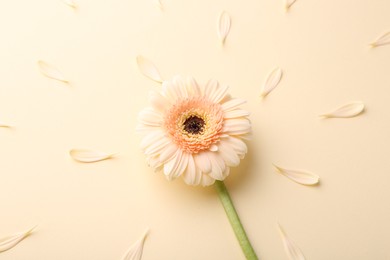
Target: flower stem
x,y
235,221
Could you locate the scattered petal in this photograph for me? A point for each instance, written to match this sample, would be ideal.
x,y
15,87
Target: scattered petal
x,y
70,3
223,26
159,4
51,71
9,242
288,4
4,125
348,110
89,156
382,40
300,177
293,252
148,69
272,81
135,251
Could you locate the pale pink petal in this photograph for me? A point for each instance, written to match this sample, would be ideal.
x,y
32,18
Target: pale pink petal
x,y
194,87
167,154
180,87
207,180
228,154
202,161
237,126
192,175
237,144
168,91
171,166
158,146
217,166
219,94
150,117
158,101
182,165
236,113
210,88
232,104
151,137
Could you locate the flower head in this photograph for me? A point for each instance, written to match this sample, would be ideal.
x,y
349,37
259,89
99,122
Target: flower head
x,y
194,131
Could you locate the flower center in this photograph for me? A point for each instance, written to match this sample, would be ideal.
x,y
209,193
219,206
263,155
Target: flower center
x,y
193,125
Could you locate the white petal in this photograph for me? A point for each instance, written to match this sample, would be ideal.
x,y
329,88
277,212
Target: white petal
x,y
151,137
169,91
219,94
171,166
180,87
292,251
194,87
236,126
348,110
236,113
272,81
223,26
148,69
150,117
51,72
207,180
202,161
228,154
89,156
70,3
217,166
168,152
158,101
237,144
156,147
135,251
382,40
11,241
182,165
232,104
288,4
192,175
301,177
210,88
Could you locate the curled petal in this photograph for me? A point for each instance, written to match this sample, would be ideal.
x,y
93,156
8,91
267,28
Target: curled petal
x,y
301,177
89,156
11,241
136,250
292,250
348,110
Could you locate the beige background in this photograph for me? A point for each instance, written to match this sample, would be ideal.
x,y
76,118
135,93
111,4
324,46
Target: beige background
x,y
96,211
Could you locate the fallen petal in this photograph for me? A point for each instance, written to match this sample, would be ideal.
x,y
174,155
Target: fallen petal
x,y
382,40
89,156
148,69
288,4
11,241
292,251
135,251
70,3
301,177
346,111
50,71
223,26
272,81
159,4
4,125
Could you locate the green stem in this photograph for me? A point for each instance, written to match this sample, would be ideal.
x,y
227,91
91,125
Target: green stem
x,y
235,221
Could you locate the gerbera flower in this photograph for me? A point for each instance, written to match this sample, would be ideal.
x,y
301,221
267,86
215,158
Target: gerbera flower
x,y
194,131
